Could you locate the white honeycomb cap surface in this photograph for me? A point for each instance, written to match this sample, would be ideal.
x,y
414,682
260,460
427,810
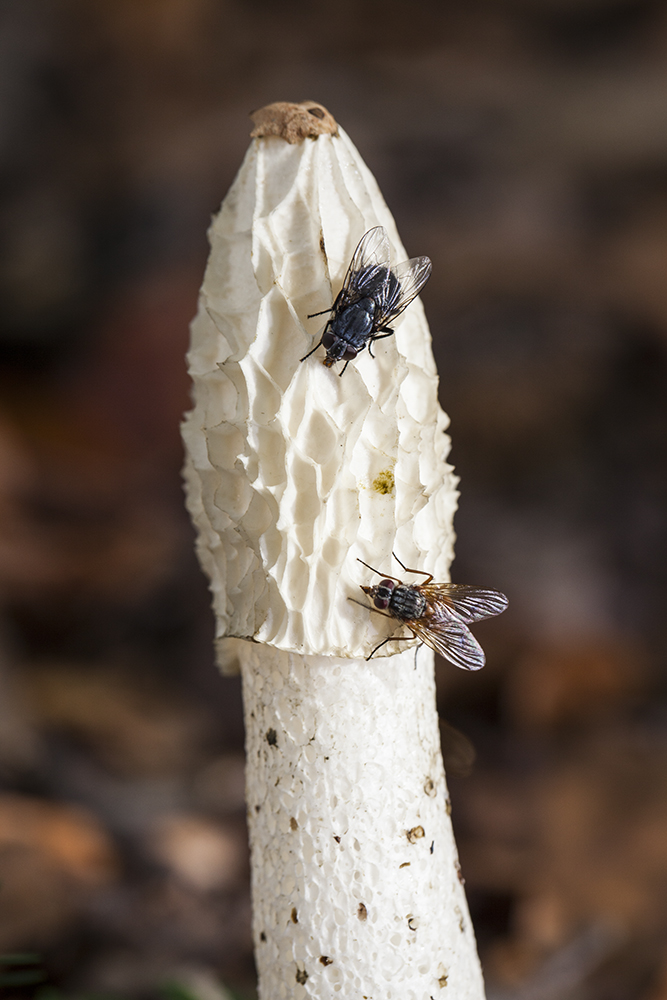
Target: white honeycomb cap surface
x,y
293,472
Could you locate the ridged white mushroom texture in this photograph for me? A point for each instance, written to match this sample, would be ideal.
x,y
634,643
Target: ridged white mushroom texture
x,y
293,471
292,474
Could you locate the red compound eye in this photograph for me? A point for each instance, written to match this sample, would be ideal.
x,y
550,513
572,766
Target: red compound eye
x,y
382,594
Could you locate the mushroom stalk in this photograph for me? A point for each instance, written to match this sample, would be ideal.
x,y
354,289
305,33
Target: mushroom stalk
x,y
354,867
293,475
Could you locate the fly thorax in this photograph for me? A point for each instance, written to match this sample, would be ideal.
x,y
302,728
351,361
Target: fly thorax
x,y
355,324
407,603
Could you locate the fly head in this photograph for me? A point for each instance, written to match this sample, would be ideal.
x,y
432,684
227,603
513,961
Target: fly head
x,y
380,594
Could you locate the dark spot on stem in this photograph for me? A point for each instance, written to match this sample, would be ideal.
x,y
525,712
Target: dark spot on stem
x,y
415,834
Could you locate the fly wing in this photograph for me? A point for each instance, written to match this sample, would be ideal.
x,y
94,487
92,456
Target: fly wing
x,y
405,283
369,269
453,640
468,604
373,248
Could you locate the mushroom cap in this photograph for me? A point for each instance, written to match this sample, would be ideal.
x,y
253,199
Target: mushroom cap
x,y
292,471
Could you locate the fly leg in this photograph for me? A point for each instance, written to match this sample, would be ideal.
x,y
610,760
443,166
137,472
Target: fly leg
x,y
310,316
417,572
378,571
387,334
313,350
391,638
417,647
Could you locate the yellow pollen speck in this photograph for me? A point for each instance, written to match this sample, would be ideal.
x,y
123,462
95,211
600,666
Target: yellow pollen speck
x,y
384,482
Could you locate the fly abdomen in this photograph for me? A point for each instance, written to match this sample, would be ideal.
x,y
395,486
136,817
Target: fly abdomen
x,y
371,281
407,603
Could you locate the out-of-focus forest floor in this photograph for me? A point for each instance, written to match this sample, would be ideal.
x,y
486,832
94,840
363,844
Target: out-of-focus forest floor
x,y
522,145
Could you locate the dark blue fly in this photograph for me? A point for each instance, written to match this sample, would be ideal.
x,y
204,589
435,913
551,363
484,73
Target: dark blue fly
x,y
373,294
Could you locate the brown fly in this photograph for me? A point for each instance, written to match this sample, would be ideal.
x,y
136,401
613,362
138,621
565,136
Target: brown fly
x,y
436,613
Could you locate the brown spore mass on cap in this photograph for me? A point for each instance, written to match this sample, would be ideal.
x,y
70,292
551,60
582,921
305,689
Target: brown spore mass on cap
x,y
384,482
293,122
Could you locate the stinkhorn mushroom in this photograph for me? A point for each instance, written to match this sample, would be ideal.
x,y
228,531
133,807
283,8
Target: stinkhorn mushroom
x,y
293,475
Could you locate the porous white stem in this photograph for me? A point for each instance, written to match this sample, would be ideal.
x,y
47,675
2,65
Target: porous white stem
x,y
354,868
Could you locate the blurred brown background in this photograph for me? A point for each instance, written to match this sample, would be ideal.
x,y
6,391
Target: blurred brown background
x,y
522,145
